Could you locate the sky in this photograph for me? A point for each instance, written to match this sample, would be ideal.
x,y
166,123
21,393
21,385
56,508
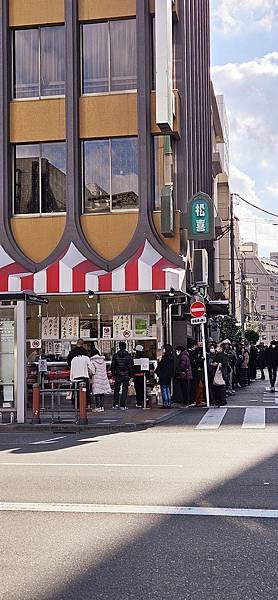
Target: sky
x,y
244,43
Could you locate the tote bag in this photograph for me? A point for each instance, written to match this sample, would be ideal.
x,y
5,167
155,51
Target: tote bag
x,y
218,377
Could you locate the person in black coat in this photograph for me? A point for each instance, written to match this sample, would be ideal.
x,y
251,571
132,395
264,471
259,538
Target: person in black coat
x,y
78,350
121,368
165,372
271,359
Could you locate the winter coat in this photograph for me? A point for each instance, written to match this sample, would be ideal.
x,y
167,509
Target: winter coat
x,y
184,371
122,365
261,358
271,356
100,382
165,370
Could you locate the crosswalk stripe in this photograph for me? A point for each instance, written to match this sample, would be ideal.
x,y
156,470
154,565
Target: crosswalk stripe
x,y
254,418
212,419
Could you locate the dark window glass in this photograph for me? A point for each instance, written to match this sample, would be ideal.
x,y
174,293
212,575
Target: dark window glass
x,y
123,55
164,166
53,177
40,178
95,58
52,61
96,176
124,173
26,63
109,56
39,62
27,186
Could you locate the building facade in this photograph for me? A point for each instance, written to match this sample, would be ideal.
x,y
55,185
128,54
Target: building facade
x,y
261,292
105,134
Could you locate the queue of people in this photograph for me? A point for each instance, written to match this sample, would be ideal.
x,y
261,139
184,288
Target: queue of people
x,y
229,366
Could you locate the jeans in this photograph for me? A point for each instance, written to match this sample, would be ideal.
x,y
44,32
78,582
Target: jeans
x,y
272,371
120,381
166,394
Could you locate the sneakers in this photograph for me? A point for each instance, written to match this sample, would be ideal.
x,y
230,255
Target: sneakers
x,y
97,410
124,408
115,407
102,409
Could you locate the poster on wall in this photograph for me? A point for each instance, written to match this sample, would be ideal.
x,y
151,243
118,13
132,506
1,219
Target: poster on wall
x,y
141,325
50,328
122,327
106,333
69,328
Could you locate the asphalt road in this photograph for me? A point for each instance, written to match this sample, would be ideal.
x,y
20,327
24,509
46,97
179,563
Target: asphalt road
x,y
71,509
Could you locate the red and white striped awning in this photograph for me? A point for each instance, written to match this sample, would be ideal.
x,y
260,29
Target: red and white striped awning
x,y
147,271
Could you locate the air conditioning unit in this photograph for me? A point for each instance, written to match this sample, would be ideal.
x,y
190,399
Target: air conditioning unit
x,y
200,267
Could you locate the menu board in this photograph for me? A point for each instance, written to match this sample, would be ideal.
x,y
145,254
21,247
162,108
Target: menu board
x,y
69,328
50,328
122,328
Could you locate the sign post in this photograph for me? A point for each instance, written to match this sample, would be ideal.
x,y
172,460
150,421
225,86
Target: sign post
x,y
198,312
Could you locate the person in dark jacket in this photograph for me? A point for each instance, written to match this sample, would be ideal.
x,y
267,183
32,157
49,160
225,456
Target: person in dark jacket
x,y
184,374
271,359
197,367
121,368
78,350
165,371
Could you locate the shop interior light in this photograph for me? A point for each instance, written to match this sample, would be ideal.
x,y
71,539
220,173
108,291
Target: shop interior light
x,y
91,293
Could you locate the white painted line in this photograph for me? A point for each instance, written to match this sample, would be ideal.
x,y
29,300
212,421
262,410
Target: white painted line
x,y
118,465
254,418
212,419
50,441
200,511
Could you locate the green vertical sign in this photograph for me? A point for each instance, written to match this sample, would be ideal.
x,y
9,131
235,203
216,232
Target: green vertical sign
x,y
200,218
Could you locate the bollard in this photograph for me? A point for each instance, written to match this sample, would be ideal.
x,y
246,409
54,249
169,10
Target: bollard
x,y
83,405
36,403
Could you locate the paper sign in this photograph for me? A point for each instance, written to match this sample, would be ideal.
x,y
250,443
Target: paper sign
x,y
106,333
69,328
50,328
122,329
35,343
42,365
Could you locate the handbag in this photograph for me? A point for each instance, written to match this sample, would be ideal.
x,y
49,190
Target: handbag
x,y
218,377
131,389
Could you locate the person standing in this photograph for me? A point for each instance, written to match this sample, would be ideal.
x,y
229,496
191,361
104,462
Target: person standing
x,y
253,362
221,367
271,359
261,359
80,369
100,382
121,368
165,371
184,374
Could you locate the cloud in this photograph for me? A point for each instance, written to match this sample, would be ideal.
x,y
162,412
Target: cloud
x,y
250,92
235,16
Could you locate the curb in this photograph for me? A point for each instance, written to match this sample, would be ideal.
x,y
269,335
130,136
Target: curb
x,y
73,428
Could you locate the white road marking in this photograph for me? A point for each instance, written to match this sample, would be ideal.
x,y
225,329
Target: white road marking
x,y
50,441
118,465
200,511
254,418
212,419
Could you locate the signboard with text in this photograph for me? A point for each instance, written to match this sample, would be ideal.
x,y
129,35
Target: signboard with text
x,y
200,219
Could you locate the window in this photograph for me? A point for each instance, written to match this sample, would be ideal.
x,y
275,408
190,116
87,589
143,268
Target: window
x,y
164,166
109,56
272,307
39,62
40,178
110,174
262,306
272,297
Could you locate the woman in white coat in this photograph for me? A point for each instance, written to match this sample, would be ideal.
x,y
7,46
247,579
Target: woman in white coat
x,y
100,382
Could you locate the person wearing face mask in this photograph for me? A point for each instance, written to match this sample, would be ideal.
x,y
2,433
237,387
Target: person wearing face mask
x,y
271,359
184,374
165,371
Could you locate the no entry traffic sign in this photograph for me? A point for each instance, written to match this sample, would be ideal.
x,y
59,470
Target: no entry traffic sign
x,y
197,309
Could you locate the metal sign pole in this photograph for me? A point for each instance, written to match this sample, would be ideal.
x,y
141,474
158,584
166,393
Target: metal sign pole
x,y
145,391
205,363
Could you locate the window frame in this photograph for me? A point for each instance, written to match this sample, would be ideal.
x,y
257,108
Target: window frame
x,y
40,213
109,92
40,96
111,209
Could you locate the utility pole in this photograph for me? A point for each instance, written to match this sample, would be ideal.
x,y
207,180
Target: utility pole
x,y
232,253
242,299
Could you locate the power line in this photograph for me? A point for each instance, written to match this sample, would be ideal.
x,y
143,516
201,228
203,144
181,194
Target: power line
x,y
256,207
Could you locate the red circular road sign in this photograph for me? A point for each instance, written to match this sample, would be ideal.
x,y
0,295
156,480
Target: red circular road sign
x,y
197,309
